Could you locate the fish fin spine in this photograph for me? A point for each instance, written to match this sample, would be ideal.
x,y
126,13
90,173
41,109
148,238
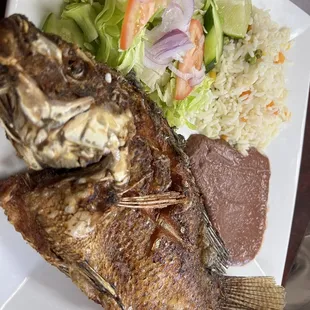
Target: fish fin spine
x,y
220,263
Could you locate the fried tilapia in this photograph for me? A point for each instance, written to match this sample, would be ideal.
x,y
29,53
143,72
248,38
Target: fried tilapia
x,y
113,204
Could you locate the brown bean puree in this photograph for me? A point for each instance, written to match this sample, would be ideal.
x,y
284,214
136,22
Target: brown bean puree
x,y
235,190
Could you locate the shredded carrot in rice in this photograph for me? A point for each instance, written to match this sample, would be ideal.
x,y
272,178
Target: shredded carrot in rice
x,y
246,93
281,59
270,105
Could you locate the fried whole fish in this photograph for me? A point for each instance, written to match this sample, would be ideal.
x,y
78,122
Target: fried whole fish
x,y
127,225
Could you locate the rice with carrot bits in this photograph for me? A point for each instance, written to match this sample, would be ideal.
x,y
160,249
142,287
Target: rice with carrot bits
x,y
249,91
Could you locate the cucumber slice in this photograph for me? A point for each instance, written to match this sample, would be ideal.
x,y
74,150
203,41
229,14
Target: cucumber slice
x,y
207,5
208,19
211,66
210,50
67,29
219,33
213,47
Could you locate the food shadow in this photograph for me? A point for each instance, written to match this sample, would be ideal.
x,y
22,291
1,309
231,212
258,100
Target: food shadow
x,y
59,287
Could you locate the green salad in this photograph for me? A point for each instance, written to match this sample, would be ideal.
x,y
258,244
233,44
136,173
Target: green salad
x,y
171,45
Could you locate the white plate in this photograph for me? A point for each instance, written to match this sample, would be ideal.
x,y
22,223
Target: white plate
x,y
28,282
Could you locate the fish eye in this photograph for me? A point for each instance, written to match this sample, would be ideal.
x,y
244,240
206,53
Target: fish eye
x,y
77,68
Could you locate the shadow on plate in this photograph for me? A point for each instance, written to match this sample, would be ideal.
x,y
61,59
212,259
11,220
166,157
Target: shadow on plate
x,y
61,288
45,288
14,248
9,162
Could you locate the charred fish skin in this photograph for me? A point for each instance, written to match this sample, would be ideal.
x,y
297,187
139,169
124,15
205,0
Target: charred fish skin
x,y
134,245
107,233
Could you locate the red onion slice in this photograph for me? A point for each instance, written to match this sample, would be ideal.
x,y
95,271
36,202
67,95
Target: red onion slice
x,y
194,78
160,62
198,76
149,63
188,10
177,72
177,15
172,45
173,42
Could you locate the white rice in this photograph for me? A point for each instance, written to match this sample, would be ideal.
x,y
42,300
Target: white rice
x,y
254,120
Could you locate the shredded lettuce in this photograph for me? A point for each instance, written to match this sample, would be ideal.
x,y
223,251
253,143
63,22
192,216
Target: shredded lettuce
x,y
183,112
133,57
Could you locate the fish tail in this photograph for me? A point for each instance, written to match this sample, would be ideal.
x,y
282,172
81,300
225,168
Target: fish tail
x,y
257,293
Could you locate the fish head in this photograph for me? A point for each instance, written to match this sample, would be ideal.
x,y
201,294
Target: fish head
x,y
58,107
53,63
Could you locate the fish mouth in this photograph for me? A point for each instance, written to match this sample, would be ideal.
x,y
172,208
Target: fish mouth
x,y
8,102
8,98
61,134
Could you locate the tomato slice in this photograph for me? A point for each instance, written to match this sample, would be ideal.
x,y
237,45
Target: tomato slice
x,y
192,58
137,15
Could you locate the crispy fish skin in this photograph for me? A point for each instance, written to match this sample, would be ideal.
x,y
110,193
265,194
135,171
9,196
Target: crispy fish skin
x,y
90,227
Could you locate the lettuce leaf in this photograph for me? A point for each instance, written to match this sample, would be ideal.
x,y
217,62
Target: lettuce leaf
x,y
133,57
92,2
183,112
84,15
66,28
100,22
108,23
